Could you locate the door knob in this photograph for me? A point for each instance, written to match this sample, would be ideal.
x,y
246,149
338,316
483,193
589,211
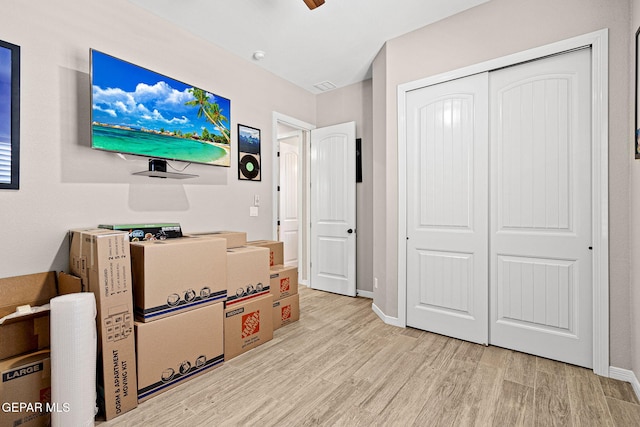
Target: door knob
x,y
350,231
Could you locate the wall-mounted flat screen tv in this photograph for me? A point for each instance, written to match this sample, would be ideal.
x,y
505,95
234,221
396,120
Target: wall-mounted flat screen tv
x,y
138,111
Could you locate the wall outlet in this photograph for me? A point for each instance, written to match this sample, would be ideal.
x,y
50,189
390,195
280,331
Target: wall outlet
x,y
253,211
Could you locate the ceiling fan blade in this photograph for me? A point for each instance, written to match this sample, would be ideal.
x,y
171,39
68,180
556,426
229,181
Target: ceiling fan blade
x,y
312,4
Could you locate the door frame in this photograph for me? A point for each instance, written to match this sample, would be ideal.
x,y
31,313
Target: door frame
x,y
299,190
598,42
303,225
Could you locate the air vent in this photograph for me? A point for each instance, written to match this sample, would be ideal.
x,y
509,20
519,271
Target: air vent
x,y
324,86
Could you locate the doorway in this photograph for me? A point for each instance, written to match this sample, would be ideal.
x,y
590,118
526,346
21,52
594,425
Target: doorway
x,y
320,221
291,190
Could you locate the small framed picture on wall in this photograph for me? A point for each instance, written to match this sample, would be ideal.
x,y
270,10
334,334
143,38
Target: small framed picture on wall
x,y
248,153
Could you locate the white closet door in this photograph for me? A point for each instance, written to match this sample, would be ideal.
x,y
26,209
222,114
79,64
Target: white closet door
x,y
447,208
541,264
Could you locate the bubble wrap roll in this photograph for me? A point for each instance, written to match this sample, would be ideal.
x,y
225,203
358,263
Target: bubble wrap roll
x,y
73,360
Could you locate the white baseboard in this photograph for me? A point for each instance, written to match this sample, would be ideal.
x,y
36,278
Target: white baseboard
x,y
365,294
393,321
625,375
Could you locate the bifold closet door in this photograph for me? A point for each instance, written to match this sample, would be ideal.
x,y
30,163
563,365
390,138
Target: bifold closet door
x,y
499,208
447,208
541,262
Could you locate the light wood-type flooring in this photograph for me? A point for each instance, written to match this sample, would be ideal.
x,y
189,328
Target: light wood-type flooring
x,y
341,365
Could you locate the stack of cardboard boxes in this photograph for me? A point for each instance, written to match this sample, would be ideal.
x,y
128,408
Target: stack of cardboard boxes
x,y
283,284
168,310
248,320
180,286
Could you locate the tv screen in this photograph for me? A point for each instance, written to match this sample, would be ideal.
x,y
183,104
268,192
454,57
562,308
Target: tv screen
x,y
138,111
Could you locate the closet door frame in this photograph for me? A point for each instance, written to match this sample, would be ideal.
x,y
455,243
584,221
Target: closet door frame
x,y
598,42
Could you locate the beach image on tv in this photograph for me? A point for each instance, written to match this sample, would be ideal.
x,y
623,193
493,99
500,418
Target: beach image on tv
x,y
138,111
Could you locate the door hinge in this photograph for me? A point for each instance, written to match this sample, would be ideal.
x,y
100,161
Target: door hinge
x,y
278,188
278,154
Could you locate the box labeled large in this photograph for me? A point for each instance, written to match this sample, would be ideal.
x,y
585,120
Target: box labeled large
x,y
234,239
177,348
177,275
247,325
141,232
248,273
284,281
102,260
25,391
285,311
276,250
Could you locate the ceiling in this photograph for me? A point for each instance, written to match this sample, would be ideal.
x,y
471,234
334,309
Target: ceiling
x,y
334,43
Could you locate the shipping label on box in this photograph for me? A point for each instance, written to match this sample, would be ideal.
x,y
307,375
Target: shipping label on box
x,y
285,311
178,275
25,391
284,281
174,349
247,325
105,270
276,250
248,274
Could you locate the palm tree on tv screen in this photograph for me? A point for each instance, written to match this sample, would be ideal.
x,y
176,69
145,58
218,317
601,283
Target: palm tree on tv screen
x,y
211,111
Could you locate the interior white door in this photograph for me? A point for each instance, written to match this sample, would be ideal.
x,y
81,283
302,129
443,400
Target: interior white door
x,y
447,208
541,264
333,209
289,196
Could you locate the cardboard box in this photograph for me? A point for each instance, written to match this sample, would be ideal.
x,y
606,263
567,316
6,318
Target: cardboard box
x,y
234,239
248,273
247,325
25,390
26,333
276,250
101,258
69,284
177,275
177,348
286,311
284,281
29,332
138,232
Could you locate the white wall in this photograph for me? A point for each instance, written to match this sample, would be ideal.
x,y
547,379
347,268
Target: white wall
x,y
65,184
354,103
491,30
